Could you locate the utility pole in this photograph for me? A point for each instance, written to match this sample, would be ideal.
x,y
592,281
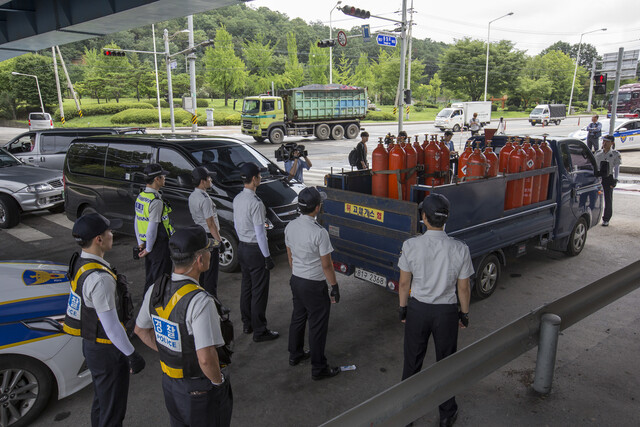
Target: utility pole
x,y
69,85
410,43
155,65
593,73
192,69
616,87
55,72
165,36
403,57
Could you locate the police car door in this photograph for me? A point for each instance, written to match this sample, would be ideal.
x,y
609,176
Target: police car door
x,y
585,187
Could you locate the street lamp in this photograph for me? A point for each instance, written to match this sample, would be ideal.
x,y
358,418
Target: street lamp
x,y
37,85
575,71
166,38
331,38
486,69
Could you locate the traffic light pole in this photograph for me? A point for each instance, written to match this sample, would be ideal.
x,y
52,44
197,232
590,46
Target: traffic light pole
x,y
614,101
593,73
403,58
167,60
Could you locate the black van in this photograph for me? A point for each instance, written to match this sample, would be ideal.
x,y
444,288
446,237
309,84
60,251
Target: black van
x,y
104,174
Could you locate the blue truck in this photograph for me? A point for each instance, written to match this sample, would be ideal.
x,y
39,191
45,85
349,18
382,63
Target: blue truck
x,y
367,232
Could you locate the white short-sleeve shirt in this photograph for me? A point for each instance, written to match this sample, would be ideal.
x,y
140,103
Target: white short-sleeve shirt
x,y
202,207
99,288
308,241
248,212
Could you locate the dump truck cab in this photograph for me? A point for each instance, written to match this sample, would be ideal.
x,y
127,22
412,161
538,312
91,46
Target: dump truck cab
x,y
260,114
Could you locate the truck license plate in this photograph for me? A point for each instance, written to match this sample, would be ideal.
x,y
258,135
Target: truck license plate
x,y
370,277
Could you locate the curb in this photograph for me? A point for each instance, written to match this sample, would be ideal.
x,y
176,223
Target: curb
x,y
634,170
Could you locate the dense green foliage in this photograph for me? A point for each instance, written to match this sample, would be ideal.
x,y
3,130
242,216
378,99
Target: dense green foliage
x,y
101,109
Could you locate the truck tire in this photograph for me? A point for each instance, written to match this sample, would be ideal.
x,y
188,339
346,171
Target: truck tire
x,y
546,122
352,131
487,276
337,132
323,131
9,212
533,123
229,259
259,139
276,136
578,238
456,128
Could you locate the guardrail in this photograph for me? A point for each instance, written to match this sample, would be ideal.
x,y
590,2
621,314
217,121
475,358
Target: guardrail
x,y
414,397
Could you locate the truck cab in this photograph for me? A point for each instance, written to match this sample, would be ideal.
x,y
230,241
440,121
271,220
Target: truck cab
x,y
259,114
628,99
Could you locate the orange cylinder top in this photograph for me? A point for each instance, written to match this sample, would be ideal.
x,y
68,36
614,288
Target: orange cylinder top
x,y
462,161
492,158
504,157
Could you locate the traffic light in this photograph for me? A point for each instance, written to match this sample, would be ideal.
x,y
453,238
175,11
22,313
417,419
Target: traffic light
x,y
600,83
354,11
407,96
113,53
327,43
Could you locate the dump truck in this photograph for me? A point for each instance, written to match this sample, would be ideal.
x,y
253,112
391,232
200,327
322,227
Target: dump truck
x,y
367,232
324,111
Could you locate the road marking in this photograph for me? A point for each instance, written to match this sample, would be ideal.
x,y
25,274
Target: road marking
x,y
60,219
27,234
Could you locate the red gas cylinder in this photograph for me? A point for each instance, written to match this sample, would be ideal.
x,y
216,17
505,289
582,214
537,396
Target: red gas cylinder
x,y
397,160
432,162
504,156
410,178
476,166
462,161
529,165
492,158
380,162
546,162
420,156
515,188
390,146
445,159
537,180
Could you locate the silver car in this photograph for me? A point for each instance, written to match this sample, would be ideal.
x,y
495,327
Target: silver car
x,y
26,188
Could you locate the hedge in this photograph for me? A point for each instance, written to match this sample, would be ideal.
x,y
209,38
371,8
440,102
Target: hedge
x,y
102,109
202,103
147,116
380,116
219,119
163,103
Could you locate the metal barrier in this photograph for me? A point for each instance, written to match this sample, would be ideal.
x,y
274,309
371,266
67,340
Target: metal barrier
x,y
414,397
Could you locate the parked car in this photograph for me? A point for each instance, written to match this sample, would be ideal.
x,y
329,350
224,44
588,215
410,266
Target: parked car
x,y
104,174
47,148
37,360
40,121
626,133
25,188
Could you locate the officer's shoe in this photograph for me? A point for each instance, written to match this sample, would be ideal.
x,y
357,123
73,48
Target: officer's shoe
x,y
605,223
327,372
305,355
449,421
266,336
247,330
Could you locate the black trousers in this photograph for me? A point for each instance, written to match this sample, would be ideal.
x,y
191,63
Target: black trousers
x,y
209,279
157,262
310,302
607,187
424,320
254,291
197,402
592,143
110,373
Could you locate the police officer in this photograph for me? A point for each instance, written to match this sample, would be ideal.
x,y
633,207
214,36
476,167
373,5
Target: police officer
x,y
249,217
204,213
609,161
432,266
179,320
152,226
309,252
97,308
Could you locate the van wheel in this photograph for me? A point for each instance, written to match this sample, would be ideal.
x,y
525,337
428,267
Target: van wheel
x,y
487,277
456,128
323,131
578,238
9,212
229,259
337,132
352,131
276,136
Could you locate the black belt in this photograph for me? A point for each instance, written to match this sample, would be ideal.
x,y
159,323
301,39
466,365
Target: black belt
x,y
249,244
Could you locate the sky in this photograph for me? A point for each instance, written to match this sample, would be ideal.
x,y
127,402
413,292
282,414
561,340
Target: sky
x,y
534,25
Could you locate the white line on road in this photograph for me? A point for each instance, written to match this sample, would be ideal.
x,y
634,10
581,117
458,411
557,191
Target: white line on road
x,y
60,219
27,234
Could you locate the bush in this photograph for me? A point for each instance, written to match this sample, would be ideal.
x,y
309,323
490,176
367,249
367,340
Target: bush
x,y
379,116
103,109
148,116
494,107
163,103
202,103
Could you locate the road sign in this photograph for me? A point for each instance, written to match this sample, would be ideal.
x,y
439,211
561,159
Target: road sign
x,y
366,33
342,38
384,40
629,64
173,64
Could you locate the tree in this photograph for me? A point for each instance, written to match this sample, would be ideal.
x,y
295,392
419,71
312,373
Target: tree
x,y
113,72
138,75
25,88
342,71
8,98
259,57
224,68
318,64
294,72
363,74
387,73
588,52
529,89
558,68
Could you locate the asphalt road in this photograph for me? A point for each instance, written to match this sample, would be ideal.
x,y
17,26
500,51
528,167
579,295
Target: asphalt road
x,y
596,380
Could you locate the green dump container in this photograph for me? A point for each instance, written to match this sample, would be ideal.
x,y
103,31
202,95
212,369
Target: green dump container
x,y
325,102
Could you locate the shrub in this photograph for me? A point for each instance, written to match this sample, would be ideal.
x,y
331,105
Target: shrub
x,y
148,116
494,107
163,103
379,116
202,103
103,109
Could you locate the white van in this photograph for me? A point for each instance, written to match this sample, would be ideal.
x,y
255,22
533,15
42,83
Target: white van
x,y
40,121
456,118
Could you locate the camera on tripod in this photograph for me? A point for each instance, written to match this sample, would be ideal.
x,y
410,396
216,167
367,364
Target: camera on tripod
x,y
286,152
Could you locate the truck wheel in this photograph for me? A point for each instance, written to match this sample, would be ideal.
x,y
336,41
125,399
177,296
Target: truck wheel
x,y
456,128
276,136
323,131
352,131
546,122
578,238
259,139
337,132
229,259
9,212
487,277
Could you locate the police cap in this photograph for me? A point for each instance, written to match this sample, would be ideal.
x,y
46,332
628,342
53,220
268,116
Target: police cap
x,y
91,225
189,240
249,170
153,170
608,138
311,197
435,205
201,173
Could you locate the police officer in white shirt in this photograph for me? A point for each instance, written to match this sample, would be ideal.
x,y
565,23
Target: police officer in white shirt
x,y
204,213
609,161
433,266
249,217
179,320
309,252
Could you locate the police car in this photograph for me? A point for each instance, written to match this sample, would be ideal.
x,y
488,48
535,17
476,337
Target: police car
x,y
626,133
36,358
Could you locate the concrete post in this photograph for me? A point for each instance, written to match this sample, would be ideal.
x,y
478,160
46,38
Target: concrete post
x,y
545,363
192,76
170,86
55,71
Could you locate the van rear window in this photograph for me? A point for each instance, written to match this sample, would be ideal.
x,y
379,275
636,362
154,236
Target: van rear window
x,y
87,158
39,116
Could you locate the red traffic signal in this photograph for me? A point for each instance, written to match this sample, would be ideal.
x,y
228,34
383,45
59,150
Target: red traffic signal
x,y
354,11
113,53
600,83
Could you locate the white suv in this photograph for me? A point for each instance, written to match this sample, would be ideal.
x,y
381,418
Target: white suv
x,y
40,121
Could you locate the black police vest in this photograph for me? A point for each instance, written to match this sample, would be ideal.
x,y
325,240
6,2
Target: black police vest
x,y
168,310
81,320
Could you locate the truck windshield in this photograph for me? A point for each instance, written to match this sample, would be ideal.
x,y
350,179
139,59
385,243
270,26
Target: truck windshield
x,y
251,106
537,111
622,97
446,112
7,159
226,161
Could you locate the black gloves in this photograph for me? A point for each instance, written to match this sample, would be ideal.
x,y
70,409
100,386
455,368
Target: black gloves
x,y
335,293
136,362
402,313
614,183
464,318
268,263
